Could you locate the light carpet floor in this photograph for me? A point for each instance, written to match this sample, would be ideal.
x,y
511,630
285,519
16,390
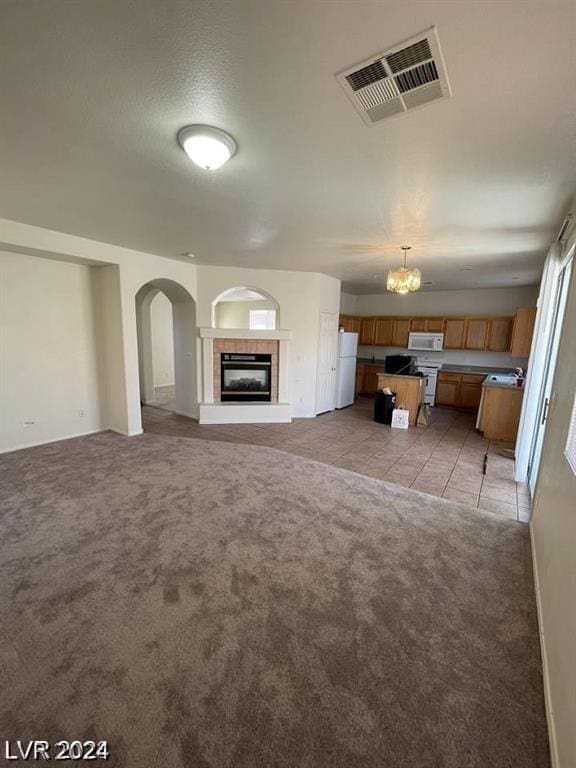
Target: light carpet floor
x,y
211,605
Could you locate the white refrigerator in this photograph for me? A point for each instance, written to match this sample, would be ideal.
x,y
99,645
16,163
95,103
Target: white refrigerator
x,y
346,375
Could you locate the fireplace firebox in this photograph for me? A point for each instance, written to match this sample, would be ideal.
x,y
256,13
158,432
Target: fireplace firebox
x,y
245,377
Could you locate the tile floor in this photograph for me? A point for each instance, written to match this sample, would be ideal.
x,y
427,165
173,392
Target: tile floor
x,y
446,458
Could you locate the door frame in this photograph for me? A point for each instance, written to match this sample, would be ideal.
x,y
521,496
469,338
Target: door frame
x,y
545,394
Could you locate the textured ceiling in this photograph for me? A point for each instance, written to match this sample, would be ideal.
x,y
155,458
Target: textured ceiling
x,y
92,95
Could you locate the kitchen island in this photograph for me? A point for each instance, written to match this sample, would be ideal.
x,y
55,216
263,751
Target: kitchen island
x,y
409,392
500,407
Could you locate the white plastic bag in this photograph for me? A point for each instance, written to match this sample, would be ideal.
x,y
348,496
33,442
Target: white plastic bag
x,y
400,418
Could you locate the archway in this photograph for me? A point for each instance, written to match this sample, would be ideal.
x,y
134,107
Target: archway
x,y
245,307
166,330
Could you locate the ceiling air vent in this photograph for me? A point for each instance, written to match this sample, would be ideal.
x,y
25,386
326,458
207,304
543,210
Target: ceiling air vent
x,y
404,78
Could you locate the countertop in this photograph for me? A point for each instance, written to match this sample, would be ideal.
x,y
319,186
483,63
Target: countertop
x,y
502,382
483,370
400,376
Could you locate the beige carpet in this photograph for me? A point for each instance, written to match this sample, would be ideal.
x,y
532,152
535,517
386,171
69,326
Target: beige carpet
x,y
212,605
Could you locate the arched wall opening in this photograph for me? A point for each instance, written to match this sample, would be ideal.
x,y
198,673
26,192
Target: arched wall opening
x,y
245,307
165,352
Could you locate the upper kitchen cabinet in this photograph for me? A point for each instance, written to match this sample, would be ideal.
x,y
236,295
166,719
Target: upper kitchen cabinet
x,y
476,333
418,324
499,332
454,332
434,324
426,324
350,323
384,332
400,332
367,328
522,331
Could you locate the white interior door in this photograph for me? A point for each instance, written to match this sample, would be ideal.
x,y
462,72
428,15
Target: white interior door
x,y
327,362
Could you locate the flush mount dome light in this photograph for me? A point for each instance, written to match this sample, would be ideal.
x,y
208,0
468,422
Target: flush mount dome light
x,y
207,147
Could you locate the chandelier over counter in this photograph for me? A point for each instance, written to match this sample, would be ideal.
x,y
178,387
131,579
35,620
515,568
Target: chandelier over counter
x,y
404,280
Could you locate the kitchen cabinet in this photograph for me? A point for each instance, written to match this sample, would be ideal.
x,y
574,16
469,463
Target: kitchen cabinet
x,y
367,377
435,325
384,332
427,324
499,413
409,392
499,332
400,332
476,333
367,328
496,334
418,324
446,391
454,330
459,390
469,395
522,332
350,323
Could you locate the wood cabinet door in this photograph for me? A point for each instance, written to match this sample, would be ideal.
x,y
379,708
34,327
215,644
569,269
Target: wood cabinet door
x,y
360,370
355,324
418,324
522,332
499,332
470,395
454,333
383,332
367,331
400,333
371,380
343,322
476,333
435,324
447,392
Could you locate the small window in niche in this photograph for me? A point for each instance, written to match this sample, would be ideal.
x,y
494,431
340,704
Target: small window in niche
x,y
262,319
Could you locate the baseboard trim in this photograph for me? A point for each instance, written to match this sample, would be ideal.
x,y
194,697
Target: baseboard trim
x,y
544,656
187,414
37,443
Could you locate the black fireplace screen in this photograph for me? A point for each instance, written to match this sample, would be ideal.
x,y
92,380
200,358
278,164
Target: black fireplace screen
x,y
245,377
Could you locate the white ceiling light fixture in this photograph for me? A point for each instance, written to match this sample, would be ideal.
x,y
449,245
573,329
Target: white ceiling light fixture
x,y
404,280
207,147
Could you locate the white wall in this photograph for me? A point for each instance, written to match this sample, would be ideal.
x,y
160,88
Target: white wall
x,y
49,371
301,297
481,301
236,314
162,333
348,303
553,530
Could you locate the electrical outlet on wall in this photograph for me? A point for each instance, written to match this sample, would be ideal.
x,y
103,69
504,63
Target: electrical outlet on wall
x,y
28,423
81,412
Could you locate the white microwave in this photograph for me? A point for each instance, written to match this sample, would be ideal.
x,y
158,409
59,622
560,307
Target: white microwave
x,y
430,342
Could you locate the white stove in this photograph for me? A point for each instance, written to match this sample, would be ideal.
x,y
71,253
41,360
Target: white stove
x,y
429,370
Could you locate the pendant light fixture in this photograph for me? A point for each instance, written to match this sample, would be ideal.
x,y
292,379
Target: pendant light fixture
x,y
404,280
